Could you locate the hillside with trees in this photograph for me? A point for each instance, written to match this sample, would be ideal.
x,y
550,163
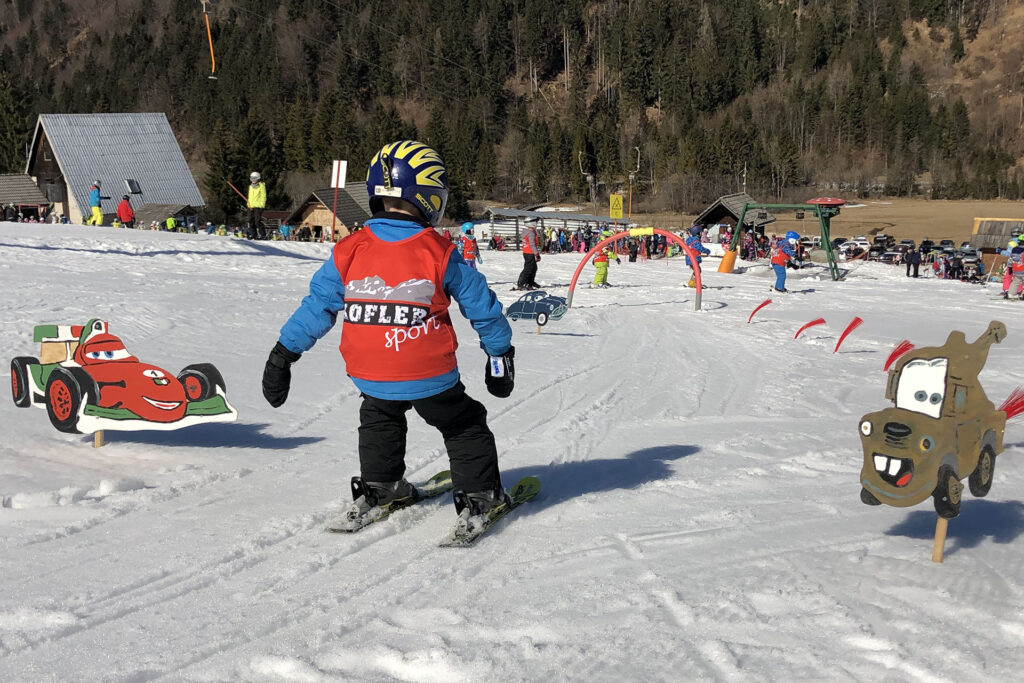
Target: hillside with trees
x,y
525,98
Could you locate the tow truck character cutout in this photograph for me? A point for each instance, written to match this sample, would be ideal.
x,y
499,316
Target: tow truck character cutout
x,y
942,429
87,381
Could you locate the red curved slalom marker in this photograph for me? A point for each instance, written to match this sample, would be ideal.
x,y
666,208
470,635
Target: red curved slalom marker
x,y
759,307
854,324
817,321
900,349
1014,403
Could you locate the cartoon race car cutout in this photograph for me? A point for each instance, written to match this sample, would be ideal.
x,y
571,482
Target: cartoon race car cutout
x,y
539,305
87,381
941,429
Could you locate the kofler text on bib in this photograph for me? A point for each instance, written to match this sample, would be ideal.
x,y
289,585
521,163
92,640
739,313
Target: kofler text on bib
x,y
396,322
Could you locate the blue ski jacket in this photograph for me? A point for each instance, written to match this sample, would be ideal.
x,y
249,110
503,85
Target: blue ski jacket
x,y
319,310
693,242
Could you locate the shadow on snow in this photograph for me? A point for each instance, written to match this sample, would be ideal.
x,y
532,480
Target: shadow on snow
x,y
1000,521
224,435
567,480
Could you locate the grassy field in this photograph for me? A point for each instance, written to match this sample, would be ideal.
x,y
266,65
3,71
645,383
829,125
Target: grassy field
x,y
903,218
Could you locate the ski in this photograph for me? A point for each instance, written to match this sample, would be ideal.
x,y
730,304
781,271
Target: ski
x,y
525,489
435,486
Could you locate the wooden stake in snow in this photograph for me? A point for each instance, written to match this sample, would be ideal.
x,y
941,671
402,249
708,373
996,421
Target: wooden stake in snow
x,y
940,539
97,439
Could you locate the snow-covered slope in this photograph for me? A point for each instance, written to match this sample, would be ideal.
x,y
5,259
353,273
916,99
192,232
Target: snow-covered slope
x,y
700,517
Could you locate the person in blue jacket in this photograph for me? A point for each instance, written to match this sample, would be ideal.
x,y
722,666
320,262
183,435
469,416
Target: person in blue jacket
x,y
693,242
95,200
784,253
392,283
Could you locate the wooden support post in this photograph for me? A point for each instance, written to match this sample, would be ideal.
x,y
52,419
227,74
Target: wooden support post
x,y
97,439
940,539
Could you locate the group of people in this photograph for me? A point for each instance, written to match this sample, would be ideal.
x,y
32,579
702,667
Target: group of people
x,y
43,214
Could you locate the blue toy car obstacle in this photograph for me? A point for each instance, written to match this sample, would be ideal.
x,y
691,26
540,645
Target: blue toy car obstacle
x,y
538,305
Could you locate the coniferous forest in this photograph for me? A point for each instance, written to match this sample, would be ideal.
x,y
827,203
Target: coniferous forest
x,y
527,99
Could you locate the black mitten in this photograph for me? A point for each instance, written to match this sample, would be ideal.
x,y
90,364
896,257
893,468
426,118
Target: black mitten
x,y
277,375
501,373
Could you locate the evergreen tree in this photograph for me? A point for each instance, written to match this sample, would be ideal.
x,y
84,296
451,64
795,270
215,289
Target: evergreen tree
x,y
223,167
14,125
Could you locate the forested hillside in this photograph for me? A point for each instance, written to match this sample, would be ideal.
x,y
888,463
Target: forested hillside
x,y
525,98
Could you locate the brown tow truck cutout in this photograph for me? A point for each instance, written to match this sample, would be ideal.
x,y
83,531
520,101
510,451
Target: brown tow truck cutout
x,y
941,429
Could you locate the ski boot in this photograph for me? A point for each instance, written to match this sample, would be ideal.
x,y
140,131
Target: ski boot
x,y
372,500
477,510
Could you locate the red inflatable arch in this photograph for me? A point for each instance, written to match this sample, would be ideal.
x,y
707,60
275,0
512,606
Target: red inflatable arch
x,y
639,232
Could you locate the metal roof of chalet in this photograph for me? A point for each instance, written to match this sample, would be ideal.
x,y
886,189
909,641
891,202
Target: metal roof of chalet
x,y
733,204
353,203
500,214
114,147
19,188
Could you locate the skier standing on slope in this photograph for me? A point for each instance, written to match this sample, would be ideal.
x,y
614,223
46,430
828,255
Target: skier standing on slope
x,y
393,282
782,255
601,262
468,247
531,256
693,241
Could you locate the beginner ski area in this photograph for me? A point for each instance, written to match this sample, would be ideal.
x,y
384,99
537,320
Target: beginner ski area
x,y
699,519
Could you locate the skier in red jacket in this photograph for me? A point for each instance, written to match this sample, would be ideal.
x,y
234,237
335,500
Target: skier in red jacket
x,y
125,214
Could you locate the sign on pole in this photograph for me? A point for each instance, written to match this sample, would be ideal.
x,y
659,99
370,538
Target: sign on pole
x,y
338,174
338,171
615,206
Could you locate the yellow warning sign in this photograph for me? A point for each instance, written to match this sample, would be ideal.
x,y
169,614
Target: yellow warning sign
x,y
615,206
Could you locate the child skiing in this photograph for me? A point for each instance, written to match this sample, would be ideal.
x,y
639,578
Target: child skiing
x,y
392,282
601,262
783,253
693,241
1013,253
468,247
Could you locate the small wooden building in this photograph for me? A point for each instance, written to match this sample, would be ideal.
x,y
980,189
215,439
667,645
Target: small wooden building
x,y
316,211
992,234
184,215
726,211
18,189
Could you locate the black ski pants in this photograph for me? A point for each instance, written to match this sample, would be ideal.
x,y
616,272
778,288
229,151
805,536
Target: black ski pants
x,y
255,231
529,274
462,422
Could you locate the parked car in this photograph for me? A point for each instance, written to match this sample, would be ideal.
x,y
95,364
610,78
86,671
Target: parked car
x,y
883,240
838,241
875,252
927,245
891,256
947,243
909,243
970,256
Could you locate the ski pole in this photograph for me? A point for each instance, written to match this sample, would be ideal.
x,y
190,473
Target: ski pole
x,y
236,191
